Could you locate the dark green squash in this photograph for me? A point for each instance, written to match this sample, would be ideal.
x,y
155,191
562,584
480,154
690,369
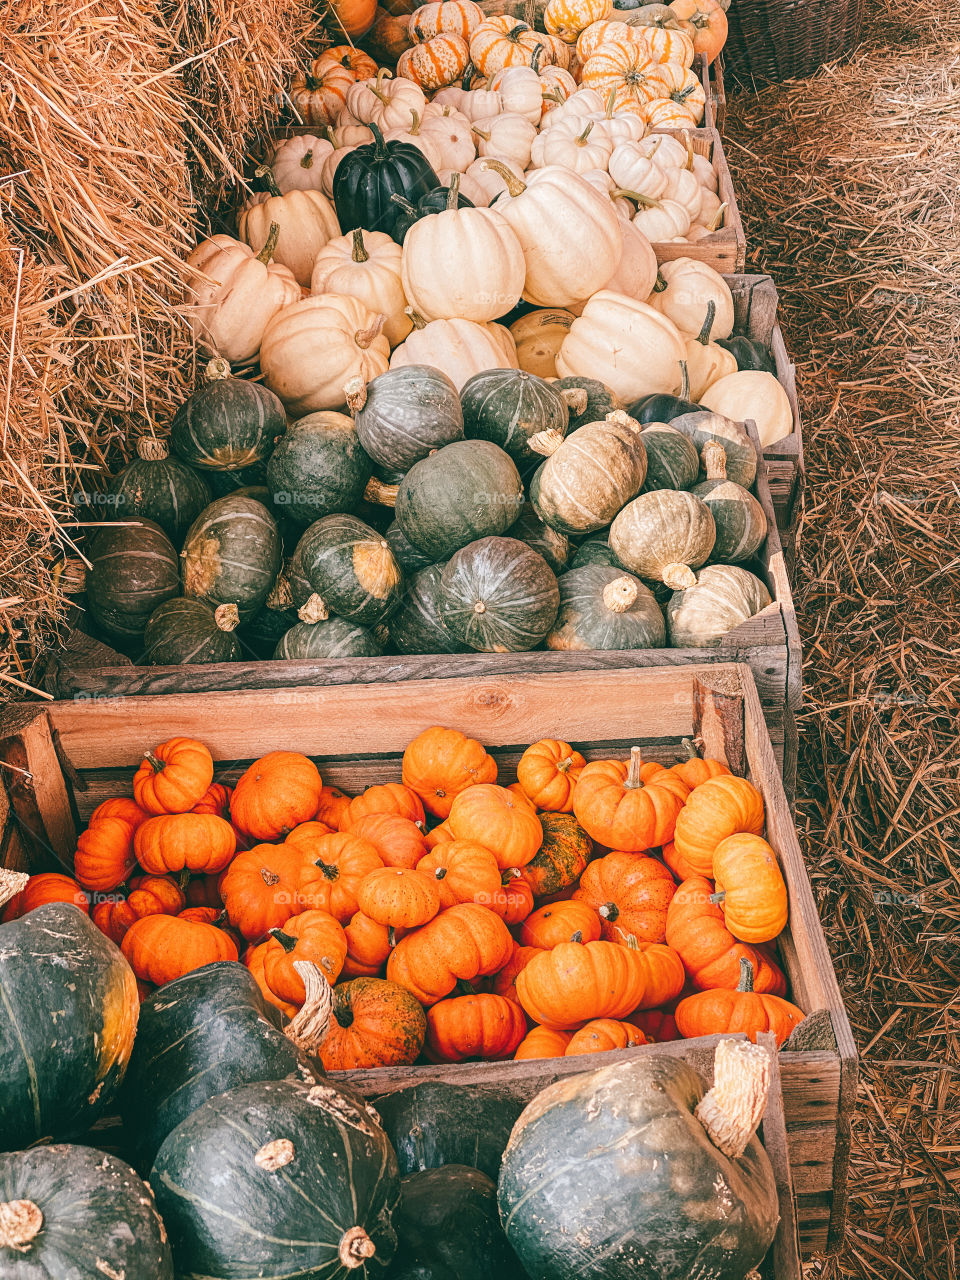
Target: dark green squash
x,y
448,1217
588,476
185,630
604,608
555,547
231,555
334,638
498,596
405,553
595,549
351,568
367,178
200,1035
407,414
659,407
70,1212
600,401
162,488
304,1170
300,588
417,627
469,489
134,569
723,596
672,458
749,353
319,467
70,1006
422,1271
664,536
264,631
508,406
739,517
439,200
704,426
250,478
610,1176
436,1124
229,424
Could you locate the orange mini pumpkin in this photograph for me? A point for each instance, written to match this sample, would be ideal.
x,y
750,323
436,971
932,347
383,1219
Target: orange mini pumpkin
x,y
722,807
388,797
373,1023
185,842
46,886
313,936
750,888
353,17
440,834
603,1034
548,772
260,889
492,816
253,958
360,65
173,777
399,842
161,947
629,806
333,805
120,807
478,1026
464,872
148,896
513,899
216,799
369,944
440,763
399,896
332,870
722,1011
705,22
558,922
681,868
104,856
695,771
710,953
277,792
542,1042
630,893
462,943
505,982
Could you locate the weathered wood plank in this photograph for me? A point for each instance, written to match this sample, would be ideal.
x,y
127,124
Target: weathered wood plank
x,y
37,789
783,1261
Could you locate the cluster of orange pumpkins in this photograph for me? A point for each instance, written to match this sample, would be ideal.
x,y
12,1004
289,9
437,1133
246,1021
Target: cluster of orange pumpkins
x,y
530,920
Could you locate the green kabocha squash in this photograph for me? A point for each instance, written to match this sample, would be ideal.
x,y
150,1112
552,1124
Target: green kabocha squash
x,y
70,1016
637,1172
334,638
370,175
228,425
200,1035
498,596
448,1216
739,517
590,475
604,608
469,489
264,631
508,406
595,549
749,353
352,570
134,569
672,458
162,488
417,627
278,1179
185,630
299,584
587,401
70,1212
664,536
555,547
659,407
231,555
434,1124
722,597
319,467
703,427
405,553
406,414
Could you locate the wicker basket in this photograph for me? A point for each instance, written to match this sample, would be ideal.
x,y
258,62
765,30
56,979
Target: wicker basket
x,y
788,39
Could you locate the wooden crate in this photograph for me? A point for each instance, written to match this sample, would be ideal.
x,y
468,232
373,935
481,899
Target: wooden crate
x,y
726,249
61,759
715,106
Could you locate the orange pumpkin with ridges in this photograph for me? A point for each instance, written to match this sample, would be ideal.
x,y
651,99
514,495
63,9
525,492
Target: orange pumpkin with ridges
x,y
120,807
603,1034
313,936
185,842
492,816
260,888
333,805
563,854
399,842
389,797
462,943
695,771
630,893
710,953
253,958
440,763
721,1011
548,772
513,899
373,1023
464,872
681,868
46,886
542,1042
558,922
399,896
505,982
161,948
479,1026
750,888
722,807
353,17
628,805
277,792
173,777
369,944
332,869
104,856
148,896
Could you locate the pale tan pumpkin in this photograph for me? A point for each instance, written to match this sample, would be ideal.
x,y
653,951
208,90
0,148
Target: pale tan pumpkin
x,y
756,394
449,131
329,170
458,348
520,92
684,290
625,344
366,265
572,147
508,135
385,102
538,336
667,221
306,220
297,162
410,134
489,181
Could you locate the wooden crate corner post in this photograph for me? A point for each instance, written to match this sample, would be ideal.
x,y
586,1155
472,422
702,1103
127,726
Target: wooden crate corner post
x,y
45,835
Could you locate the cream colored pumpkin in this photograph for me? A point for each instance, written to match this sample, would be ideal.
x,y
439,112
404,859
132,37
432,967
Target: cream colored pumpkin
x,y
706,362
706,174
634,171
462,263
232,295
469,187
411,134
626,345
607,187
489,180
580,105
311,351
450,133
664,222
458,348
756,394
480,103
621,126
636,273
350,134
306,220
297,163
710,208
570,235
520,92
684,290
666,150
385,102
572,147
330,169
505,135
683,187
538,336
366,265
450,95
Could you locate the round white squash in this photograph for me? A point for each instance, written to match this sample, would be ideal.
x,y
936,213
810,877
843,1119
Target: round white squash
x,y
683,292
297,163
306,220
626,345
505,135
664,221
572,145
520,92
366,265
458,348
756,394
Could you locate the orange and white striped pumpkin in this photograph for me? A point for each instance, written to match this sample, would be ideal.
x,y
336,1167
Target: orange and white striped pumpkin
x,y
667,46
359,64
451,17
320,99
598,33
662,113
556,86
624,69
680,85
503,41
436,62
567,18
558,52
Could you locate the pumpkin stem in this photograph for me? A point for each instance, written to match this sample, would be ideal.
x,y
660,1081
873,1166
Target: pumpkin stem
x,y
703,336
217,369
284,939
717,219
306,160
404,203
281,596
717,899
690,749
356,1248
415,316
637,197
359,253
746,972
155,763
481,133
391,936
356,392
714,458
308,1028
576,936
266,173
734,1107
20,1222
611,99
678,577
379,142
314,610
659,284
632,780
513,184
623,419
687,142
268,250
152,450
546,442
576,400
609,912
581,138
385,495
620,594
227,617
364,337
453,194
269,877
330,869
415,127
11,883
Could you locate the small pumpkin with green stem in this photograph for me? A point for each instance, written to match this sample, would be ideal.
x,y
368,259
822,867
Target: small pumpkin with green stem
x,y
706,360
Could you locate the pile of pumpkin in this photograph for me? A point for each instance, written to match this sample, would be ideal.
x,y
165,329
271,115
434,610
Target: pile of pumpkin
x,y
360,888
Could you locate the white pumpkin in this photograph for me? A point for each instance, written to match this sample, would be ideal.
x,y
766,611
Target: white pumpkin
x,y
297,162
505,135
631,169
350,134
520,92
330,169
449,131
637,271
706,362
462,263
682,186
232,295
683,292
620,126
489,180
503,340
662,222
469,187
626,345
366,265
385,102
582,105
538,336
306,220
606,186
314,348
570,235
666,150
412,136
706,174
756,394
458,348
449,96
480,103
572,147
710,207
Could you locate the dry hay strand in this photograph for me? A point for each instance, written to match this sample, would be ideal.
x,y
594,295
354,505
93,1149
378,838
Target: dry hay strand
x,y
848,184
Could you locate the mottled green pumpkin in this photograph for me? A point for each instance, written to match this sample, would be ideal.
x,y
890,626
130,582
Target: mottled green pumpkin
x,y
407,414
590,475
602,607
299,584
739,517
162,488
185,630
595,549
564,853
447,1218
600,401
468,490
555,547
672,458
435,1124
351,568
498,596
405,553
334,638
319,467
231,555
264,631
703,427
417,627
664,536
508,406
228,425
134,569
723,597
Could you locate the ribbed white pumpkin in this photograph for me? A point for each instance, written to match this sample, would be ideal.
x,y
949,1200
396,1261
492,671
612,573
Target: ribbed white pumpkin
x,y
449,131
706,362
491,182
347,133
600,179
306,220
520,92
572,145
366,265
706,174
684,291
411,134
666,150
632,169
636,273
458,348
385,102
756,394
683,186
479,103
626,345
505,135
297,163
667,221
330,168
583,104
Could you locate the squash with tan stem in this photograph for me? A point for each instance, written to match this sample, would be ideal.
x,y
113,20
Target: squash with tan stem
x,y
306,220
588,475
508,135
706,362
683,293
458,348
632,168
664,45
365,265
556,86
739,517
572,147
663,536
601,607
723,596
385,102
755,394
625,69
503,41
490,182
410,133
296,163
626,344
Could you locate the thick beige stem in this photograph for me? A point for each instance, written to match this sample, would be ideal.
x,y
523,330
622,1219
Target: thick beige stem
x,y
227,617
620,594
281,595
356,1248
513,184
546,442
714,459
11,883
678,577
217,369
314,610
20,1222
734,1107
152,450
309,1028
356,395
575,398
623,419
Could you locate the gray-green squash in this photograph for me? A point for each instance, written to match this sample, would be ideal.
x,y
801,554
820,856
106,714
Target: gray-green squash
x,y
555,547
184,630
602,607
723,596
508,406
498,596
319,467
598,402
352,570
405,553
589,476
704,426
231,555
664,536
739,517
672,458
417,627
334,638
134,569
229,424
595,549
406,414
162,488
